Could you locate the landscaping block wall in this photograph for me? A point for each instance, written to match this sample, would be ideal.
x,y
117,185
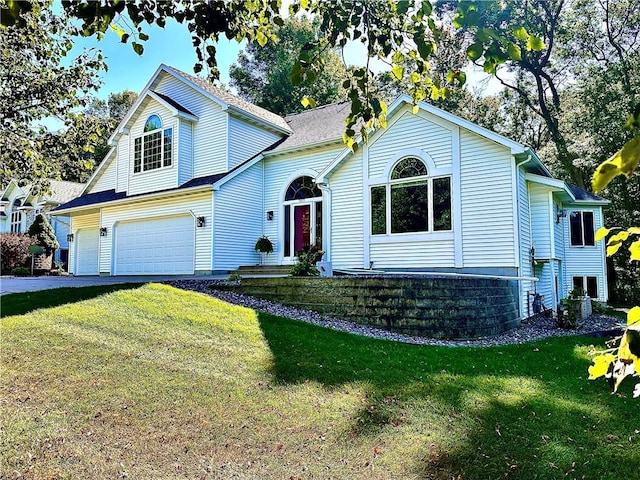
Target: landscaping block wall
x,y
438,307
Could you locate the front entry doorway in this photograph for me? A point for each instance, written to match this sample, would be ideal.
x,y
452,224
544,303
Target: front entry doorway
x,y
302,217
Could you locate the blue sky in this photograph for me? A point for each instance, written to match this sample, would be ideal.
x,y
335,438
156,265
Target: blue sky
x,y
171,45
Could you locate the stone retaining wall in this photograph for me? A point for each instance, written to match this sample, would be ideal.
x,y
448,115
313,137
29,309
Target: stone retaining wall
x,y
438,307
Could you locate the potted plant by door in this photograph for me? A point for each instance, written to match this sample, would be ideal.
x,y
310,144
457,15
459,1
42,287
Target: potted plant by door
x,y
264,246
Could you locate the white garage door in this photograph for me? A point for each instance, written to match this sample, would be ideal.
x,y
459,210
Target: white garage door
x,y
87,241
155,247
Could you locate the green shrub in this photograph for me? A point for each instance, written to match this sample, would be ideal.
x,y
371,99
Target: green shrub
x,y
234,277
21,272
305,266
43,233
573,304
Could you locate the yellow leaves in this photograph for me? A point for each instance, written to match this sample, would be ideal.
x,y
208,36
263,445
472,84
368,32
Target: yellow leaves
x,y
261,38
600,365
633,317
623,162
616,241
398,72
308,101
613,249
601,233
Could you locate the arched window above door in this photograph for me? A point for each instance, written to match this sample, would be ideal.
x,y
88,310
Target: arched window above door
x,y
302,188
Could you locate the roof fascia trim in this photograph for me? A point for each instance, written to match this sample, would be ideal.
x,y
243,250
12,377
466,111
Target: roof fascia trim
x,y
174,111
145,197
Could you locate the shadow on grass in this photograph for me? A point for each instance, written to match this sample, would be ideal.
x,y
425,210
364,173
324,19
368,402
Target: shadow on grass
x,y
519,411
21,303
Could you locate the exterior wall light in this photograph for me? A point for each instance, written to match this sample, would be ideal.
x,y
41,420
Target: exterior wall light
x,y
70,237
270,215
200,221
103,231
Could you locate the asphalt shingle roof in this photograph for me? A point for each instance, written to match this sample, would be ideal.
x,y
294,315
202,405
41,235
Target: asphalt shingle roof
x,y
314,126
582,195
62,191
233,100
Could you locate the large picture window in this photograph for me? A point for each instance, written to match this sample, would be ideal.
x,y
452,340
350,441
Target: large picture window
x,y
154,149
582,229
411,201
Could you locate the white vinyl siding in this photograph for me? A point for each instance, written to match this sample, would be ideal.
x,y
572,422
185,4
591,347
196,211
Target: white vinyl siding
x,y
486,202
540,222
246,140
152,180
347,235
209,132
107,179
195,205
416,131
124,169
185,151
278,173
238,220
80,222
157,246
428,253
584,260
524,220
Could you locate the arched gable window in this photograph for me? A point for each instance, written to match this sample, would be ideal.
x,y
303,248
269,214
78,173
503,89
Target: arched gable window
x,y
411,201
153,123
154,148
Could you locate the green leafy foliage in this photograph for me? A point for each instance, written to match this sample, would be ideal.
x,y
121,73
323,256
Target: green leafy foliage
x,y
622,360
307,258
264,245
265,75
36,85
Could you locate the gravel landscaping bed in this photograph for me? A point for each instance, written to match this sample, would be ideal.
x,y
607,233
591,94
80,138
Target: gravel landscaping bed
x,y
529,330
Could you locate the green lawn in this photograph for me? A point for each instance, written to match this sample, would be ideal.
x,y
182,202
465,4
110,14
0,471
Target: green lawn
x,y
154,382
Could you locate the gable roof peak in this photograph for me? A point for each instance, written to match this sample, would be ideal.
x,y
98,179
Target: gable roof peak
x,y
227,99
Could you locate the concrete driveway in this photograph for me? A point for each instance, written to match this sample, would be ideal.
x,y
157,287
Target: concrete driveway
x,y
32,284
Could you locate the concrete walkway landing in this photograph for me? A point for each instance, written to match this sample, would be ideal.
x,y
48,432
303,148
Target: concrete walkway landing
x,y
31,284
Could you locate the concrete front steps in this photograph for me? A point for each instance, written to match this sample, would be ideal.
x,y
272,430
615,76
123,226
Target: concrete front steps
x,y
267,270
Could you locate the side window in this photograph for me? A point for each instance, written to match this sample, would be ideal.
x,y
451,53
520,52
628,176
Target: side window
x,y
581,227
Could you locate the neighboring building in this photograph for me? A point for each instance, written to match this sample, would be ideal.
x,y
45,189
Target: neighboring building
x,y
196,175
19,207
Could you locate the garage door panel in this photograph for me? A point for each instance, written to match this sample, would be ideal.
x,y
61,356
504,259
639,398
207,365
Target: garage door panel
x,y
87,247
155,246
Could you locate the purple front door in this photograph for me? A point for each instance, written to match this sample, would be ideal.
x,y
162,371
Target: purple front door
x,y
302,227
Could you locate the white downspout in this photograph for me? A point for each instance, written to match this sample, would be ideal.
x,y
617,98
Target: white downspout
x,y
326,220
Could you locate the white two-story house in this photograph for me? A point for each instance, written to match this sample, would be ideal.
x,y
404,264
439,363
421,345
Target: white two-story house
x,y
195,175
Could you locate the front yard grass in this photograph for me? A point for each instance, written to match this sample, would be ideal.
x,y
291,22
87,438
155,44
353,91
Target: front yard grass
x,y
154,382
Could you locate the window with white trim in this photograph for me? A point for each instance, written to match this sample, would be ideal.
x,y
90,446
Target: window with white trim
x,y
154,149
411,201
591,284
16,217
581,229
